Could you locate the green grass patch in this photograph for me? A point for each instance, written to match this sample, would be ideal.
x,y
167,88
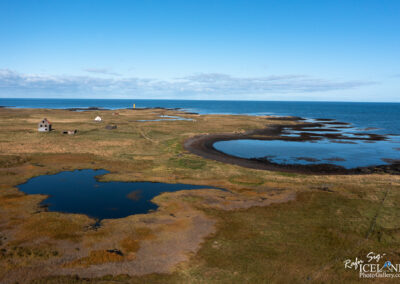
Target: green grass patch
x,y
284,174
174,145
187,163
246,180
292,242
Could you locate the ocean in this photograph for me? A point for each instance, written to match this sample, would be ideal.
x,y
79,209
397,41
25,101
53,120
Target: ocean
x,y
383,116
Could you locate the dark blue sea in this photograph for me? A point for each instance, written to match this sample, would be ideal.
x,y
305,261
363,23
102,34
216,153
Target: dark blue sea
x,y
384,116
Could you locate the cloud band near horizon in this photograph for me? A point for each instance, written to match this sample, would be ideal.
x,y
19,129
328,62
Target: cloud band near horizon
x,y
216,85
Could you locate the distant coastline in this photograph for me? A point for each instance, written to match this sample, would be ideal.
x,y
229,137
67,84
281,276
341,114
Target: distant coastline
x,y
381,116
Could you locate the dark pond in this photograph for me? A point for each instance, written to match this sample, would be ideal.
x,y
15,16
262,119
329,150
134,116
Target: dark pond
x,y
79,192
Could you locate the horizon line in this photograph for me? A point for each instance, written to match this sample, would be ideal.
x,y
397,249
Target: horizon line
x,y
227,100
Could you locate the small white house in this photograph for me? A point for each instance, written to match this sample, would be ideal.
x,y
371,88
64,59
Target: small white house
x,y
97,119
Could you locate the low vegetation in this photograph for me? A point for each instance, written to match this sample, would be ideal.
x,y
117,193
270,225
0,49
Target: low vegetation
x,y
267,227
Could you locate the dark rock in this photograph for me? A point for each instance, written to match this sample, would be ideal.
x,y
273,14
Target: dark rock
x,y
116,251
85,108
285,118
111,127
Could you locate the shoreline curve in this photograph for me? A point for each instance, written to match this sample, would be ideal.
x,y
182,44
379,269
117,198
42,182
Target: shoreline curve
x,y
202,145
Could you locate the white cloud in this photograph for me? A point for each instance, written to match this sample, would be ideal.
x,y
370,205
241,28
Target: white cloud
x,y
103,71
209,84
277,84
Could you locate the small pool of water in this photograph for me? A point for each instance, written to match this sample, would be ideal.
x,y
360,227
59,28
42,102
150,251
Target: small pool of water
x,y
79,192
166,118
348,155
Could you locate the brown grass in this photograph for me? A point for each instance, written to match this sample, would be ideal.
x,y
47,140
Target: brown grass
x,y
303,240
246,180
96,257
129,245
54,225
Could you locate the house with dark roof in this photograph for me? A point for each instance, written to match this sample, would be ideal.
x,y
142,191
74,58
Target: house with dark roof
x,y
44,125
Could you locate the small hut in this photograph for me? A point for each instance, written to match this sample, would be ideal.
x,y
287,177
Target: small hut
x,y
70,132
44,125
97,119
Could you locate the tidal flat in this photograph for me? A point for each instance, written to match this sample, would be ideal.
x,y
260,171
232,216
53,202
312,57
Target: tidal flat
x,y
268,226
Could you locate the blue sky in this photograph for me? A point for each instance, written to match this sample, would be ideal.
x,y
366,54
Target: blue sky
x,y
337,50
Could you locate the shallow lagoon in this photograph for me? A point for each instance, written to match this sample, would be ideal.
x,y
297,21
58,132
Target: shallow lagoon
x,y
348,154
79,192
167,118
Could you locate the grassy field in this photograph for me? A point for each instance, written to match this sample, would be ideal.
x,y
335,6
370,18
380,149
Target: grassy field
x,y
269,227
